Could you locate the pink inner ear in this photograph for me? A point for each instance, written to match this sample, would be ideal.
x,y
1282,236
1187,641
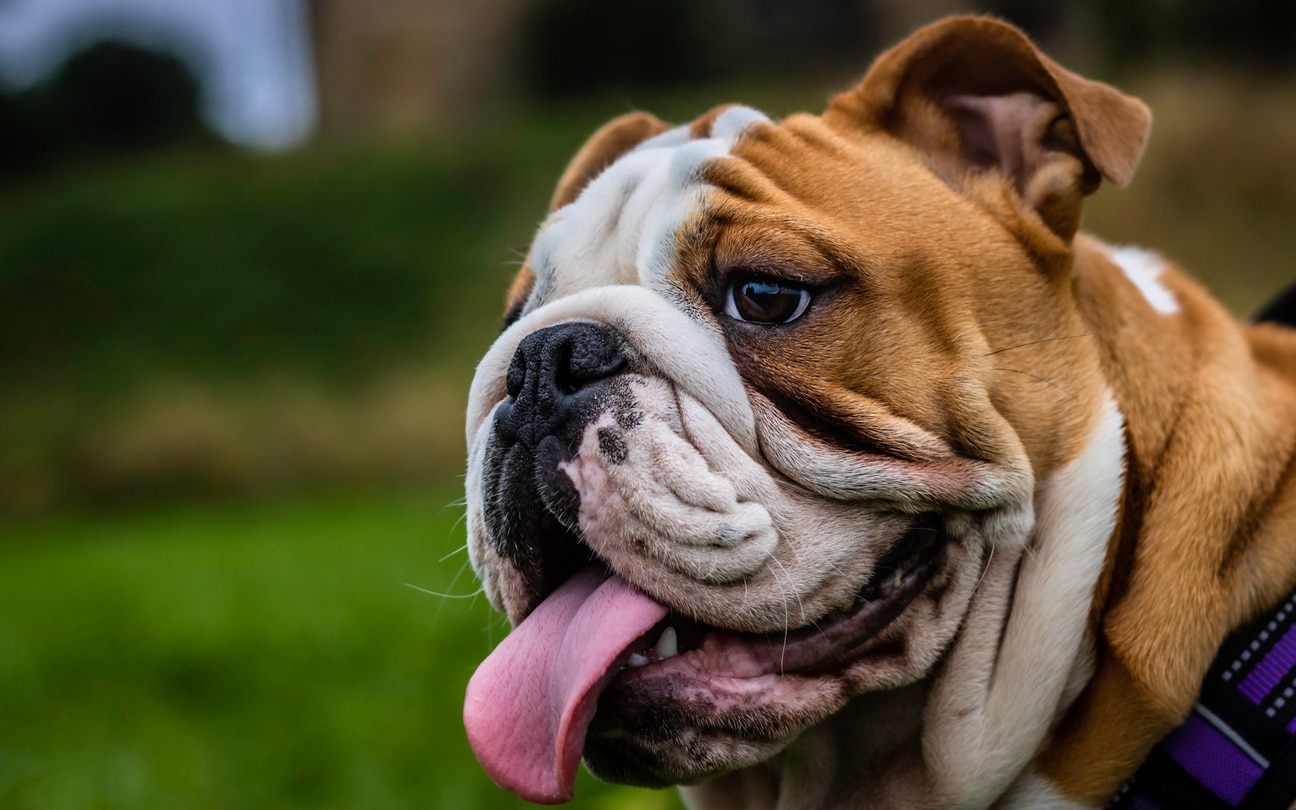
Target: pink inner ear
x,y
1003,131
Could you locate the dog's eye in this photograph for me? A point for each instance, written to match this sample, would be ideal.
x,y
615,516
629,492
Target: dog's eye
x,y
763,300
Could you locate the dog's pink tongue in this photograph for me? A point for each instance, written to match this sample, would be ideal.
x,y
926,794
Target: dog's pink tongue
x,y
529,704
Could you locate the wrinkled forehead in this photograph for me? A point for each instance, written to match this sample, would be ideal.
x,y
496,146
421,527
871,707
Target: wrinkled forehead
x,y
624,227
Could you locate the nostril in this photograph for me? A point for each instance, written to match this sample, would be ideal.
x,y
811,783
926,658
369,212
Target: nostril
x,y
566,378
590,360
582,361
568,386
515,378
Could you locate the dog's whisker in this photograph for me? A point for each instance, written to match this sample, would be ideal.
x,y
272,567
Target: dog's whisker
x,y
448,594
454,552
1036,343
463,566
959,335
787,617
783,592
715,566
443,595
1044,380
985,569
495,619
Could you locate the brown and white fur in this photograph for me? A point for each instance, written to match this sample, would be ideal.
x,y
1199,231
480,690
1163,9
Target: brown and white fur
x,y
1107,452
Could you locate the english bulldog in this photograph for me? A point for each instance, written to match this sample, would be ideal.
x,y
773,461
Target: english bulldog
x,y
823,463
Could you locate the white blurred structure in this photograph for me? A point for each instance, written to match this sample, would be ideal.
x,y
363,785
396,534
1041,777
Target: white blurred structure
x,y
252,57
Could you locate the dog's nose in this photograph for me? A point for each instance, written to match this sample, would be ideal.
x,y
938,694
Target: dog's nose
x,y
557,368
563,359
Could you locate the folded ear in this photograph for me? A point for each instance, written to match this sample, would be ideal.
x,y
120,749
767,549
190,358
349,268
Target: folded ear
x,y
612,140
975,95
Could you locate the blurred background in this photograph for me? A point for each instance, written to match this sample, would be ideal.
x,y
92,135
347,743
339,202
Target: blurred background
x,y
249,253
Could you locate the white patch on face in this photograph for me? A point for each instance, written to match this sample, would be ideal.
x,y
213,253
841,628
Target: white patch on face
x,y
622,228
666,499
983,730
1143,268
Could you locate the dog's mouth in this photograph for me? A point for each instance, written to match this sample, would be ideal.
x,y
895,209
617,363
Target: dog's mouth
x,y
897,579
599,644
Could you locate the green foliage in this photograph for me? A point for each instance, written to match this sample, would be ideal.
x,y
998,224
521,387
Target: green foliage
x,y
269,656
211,264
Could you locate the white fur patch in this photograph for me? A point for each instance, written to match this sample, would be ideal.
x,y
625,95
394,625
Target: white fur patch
x,y
990,714
664,501
1143,268
622,228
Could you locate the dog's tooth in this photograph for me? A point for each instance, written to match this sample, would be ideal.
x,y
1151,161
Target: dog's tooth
x,y
668,644
895,580
847,606
637,659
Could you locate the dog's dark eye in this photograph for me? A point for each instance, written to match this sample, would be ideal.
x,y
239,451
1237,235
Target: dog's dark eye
x,y
758,300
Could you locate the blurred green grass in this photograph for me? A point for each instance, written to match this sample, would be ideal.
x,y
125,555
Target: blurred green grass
x,y
247,656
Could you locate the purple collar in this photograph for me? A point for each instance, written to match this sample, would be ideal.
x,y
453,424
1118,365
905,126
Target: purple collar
x,y
1237,749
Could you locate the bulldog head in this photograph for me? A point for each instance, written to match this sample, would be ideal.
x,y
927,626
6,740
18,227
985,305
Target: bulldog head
x,y
770,397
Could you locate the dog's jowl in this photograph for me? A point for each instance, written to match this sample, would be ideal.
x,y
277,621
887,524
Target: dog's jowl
x,y
823,463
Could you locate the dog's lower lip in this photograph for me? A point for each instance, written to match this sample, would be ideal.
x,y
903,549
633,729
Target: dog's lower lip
x,y
821,644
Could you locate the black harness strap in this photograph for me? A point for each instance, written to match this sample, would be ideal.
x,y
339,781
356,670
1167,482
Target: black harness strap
x,y
1237,749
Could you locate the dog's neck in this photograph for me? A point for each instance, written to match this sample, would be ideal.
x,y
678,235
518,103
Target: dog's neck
x,y
1210,419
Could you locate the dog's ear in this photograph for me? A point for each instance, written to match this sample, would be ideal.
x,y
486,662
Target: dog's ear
x,y
974,94
612,140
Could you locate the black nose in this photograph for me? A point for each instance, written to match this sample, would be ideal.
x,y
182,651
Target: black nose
x,y
555,372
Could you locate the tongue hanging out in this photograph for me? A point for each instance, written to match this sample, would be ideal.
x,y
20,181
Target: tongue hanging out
x,y
529,704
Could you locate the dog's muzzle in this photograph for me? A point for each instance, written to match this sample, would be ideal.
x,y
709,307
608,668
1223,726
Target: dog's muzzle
x,y
560,378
